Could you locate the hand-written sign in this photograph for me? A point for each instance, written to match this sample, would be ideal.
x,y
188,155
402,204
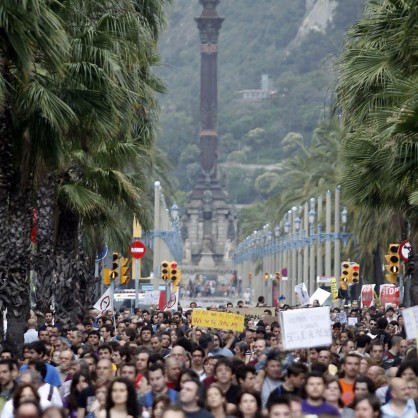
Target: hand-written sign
x,y
304,328
220,320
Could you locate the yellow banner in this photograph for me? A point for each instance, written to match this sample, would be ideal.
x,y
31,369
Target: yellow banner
x,y
220,320
334,290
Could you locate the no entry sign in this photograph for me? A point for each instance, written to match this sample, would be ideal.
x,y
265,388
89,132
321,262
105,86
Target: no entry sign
x,y
137,249
404,249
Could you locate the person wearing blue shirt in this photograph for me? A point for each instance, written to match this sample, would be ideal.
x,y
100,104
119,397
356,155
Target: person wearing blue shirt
x,y
401,406
37,352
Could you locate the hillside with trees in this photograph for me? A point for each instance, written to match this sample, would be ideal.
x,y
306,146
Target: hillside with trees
x,y
278,38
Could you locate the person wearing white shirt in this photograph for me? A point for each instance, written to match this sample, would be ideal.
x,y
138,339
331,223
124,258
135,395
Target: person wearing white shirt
x,y
31,334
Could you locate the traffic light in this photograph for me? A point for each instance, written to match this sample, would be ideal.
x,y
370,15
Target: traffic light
x,y
173,272
165,275
176,282
114,274
125,270
278,277
355,272
266,276
394,266
345,272
106,276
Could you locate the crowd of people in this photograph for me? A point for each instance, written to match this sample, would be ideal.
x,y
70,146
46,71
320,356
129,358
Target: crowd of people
x,y
157,365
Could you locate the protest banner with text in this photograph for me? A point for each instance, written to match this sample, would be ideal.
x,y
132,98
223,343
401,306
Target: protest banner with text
x,y
305,328
219,320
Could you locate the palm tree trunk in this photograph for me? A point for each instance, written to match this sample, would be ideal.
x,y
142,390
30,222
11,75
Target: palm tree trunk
x,y
6,176
15,226
43,258
18,257
67,277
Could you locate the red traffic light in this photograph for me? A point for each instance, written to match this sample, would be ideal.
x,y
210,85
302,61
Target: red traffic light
x,y
356,268
173,265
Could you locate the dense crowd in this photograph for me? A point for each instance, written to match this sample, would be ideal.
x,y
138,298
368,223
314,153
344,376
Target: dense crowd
x,y
157,365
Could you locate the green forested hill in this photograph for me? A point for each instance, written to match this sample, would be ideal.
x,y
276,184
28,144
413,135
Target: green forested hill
x,y
257,37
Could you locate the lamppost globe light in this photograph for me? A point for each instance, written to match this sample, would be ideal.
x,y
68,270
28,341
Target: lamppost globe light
x,y
312,203
344,216
297,221
174,211
312,216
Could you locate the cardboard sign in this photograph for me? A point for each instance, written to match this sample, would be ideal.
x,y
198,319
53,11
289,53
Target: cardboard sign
x,y
259,312
256,313
305,328
219,320
390,294
367,295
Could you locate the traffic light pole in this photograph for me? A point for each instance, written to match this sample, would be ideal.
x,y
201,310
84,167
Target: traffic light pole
x,y
136,262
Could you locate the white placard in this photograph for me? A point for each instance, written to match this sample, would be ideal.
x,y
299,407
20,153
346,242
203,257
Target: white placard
x,y
410,319
105,303
302,293
352,321
152,297
320,295
304,328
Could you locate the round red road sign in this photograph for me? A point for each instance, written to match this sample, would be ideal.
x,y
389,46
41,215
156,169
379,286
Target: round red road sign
x,y
404,248
137,249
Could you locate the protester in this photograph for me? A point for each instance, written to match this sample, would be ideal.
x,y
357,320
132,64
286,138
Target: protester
x,y
261,370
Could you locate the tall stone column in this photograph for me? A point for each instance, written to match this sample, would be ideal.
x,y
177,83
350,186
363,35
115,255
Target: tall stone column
x,y
209,24
209,222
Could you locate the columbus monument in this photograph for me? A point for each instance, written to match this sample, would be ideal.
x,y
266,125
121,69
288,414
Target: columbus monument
x,y
209,223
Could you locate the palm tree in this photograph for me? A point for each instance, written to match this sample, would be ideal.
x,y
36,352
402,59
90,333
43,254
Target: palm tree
x,y
61,108
376,91
32,41
111,89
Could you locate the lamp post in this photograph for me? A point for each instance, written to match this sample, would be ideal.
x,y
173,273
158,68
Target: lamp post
x,y
298,275
289,248
288,257
305,242
319,239
312,217
157,241
328,233
337,229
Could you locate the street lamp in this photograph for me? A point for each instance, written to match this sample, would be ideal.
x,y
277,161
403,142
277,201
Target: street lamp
x,y
286,227
297,221
344,218
312,217
174,210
